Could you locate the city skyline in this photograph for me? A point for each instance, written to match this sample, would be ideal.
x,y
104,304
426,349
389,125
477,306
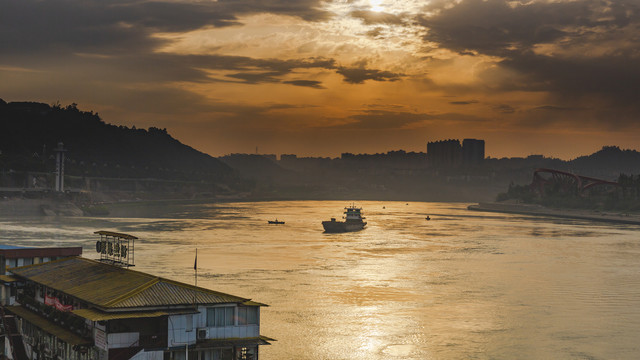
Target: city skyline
x,y
319,78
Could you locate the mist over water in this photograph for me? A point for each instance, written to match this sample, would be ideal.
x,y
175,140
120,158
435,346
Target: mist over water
x,y
462,285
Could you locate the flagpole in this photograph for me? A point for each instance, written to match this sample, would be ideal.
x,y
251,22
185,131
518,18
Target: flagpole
x,y
195,267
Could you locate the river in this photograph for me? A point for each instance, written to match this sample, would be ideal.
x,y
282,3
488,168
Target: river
x,y
463,285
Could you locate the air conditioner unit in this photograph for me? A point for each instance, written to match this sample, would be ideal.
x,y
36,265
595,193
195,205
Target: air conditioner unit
x,y
203,333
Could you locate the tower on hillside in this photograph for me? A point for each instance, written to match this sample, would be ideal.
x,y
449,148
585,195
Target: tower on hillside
x,y
59,167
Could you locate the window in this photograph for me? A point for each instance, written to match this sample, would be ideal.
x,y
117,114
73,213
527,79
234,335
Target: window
x,y
220,316
252,315
248,315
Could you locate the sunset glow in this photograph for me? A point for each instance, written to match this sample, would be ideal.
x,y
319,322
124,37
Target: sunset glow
x,y
555,78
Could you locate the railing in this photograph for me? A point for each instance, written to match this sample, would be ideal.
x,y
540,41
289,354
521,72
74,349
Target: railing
x,y
72,322
234,331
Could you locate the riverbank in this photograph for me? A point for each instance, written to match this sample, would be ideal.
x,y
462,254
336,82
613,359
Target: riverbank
x,y
38,207
538,210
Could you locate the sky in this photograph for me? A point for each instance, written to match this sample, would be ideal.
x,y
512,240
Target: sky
x,y
318,78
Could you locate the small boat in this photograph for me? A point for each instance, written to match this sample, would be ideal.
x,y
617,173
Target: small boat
x,y
428,218
353,221
276,222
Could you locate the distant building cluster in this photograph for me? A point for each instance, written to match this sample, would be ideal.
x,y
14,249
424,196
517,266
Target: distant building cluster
x,y
451,153
439,153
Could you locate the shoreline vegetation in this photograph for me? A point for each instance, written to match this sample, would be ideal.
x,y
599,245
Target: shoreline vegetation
x,y
539,210
567,195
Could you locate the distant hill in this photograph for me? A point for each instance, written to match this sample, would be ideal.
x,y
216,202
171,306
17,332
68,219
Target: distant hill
x,y
29,131
608,163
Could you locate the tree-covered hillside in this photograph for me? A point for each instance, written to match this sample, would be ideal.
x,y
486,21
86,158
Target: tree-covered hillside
x,y
30,131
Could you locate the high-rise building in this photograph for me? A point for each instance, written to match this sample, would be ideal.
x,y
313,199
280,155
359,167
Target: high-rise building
x,y
444,152
472,151
451,153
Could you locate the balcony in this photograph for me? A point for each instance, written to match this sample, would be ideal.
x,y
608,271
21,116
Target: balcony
x,y
228,332
63,319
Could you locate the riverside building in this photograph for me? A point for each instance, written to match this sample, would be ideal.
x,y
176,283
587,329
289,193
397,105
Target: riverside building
x,y
81,309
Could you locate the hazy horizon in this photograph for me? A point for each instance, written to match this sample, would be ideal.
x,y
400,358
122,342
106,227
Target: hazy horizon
x,y
337,153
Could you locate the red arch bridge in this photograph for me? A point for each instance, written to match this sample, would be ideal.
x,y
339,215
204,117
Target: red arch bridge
x,y
567,180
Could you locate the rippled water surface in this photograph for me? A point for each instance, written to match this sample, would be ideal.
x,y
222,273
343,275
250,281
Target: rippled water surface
x,y
464,285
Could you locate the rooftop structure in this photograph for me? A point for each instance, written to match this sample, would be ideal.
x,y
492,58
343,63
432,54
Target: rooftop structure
x,y
116,248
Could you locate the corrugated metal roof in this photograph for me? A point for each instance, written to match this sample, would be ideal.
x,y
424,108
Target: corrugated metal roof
x,y
97,315
167,292
48,326
7,278
253,303
112,287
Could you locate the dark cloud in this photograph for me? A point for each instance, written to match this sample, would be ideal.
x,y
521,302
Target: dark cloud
x,y
463,102
358,75
309,10
256,78
494,27
552,108
113,27
375,32
591,48
504,108
306,83
384,119
121,26
611,75
373,17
